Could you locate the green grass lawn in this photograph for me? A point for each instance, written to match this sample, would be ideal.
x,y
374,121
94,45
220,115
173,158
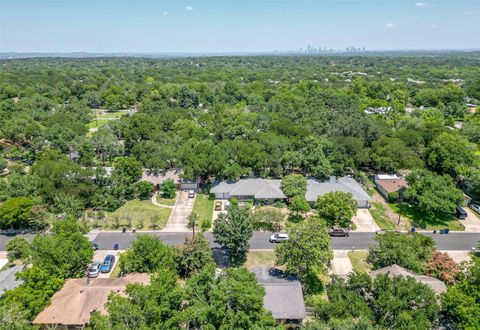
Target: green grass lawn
x,y
427,221
359,261
380,217
111,114
101,122
166,201
203,207
141,214
260,258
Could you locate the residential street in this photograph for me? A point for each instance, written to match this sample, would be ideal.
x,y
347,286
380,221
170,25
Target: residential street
x,y
259,241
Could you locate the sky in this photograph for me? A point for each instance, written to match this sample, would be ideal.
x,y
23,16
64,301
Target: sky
x,y
213,26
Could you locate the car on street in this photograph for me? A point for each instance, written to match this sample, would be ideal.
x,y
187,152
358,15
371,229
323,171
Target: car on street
x,y
107,263
475,207
338,232
218,206
94,270
191,194
278,238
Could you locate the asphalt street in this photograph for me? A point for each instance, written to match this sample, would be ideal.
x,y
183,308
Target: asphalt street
x,y
358,240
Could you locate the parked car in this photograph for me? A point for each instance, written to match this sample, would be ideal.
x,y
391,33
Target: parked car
x,y
95,246
461,213
218,206
338,232
107,263
278,238
191,194
226,205
475,207
94,270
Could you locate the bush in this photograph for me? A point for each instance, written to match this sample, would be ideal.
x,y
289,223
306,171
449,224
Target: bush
x,y
393,197
279,203
267,219
442,267
18,249
144,189
206,224
168,188
15,213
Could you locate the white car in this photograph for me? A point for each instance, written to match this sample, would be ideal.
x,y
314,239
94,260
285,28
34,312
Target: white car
x,y
278,238
191,194
475,207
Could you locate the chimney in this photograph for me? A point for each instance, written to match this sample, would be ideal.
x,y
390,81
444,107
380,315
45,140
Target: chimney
x,y
333,179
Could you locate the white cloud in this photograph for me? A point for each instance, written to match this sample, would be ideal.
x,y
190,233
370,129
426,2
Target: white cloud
x,y
189,8
434,26
389,25
471,12
422,4
165,13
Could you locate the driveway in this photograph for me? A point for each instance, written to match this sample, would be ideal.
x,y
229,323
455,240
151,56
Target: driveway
x,y
178,220
472,222
364,222
341,265
99,255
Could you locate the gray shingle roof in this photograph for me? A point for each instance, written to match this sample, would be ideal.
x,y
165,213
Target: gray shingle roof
x,y
283,298
259,188
317,188
395,270
8,280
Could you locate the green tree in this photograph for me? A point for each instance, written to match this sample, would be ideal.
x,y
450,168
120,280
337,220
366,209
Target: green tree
x,y
15,213
144,189
147,254
233,231
195,254
337,208
411,251
18,249
308,247
392,154
168,188
448,152
127,169
299,205
3,164
433,193
461,302
294,185
13,317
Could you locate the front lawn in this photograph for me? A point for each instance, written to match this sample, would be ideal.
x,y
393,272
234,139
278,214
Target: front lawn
x,y
359,261
101,122
203,207
378,213
427,221
138,214
165,201
260,258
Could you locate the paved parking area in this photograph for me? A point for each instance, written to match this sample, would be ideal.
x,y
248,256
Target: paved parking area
x,y
181,210
99,255
472,222
341,264
364,222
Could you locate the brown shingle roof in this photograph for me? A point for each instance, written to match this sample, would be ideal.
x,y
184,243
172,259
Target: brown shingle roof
x,y
74,303
392,185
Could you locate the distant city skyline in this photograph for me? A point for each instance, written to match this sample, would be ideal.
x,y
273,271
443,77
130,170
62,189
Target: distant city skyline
x,y
234,26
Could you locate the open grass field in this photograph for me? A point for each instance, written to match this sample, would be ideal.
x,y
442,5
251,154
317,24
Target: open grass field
x,y
203,207
379,214
101,122
358,260
427,221
110,114
138,214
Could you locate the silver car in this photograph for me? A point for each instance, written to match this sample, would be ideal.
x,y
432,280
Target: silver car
x,y
278,238
475,207
94,270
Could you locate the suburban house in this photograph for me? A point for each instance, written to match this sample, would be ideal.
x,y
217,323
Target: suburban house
x,y
390,183
283,297
269,190
395,270
71,307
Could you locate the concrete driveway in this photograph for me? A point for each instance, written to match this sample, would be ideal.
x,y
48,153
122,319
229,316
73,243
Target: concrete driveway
x,y
183,207
99,255
341,264
472,222
364,222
